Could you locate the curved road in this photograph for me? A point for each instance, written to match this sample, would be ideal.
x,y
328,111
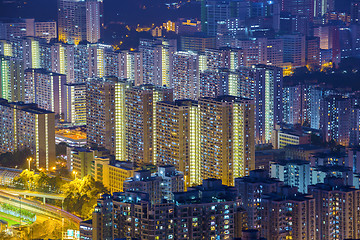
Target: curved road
x,y
36,207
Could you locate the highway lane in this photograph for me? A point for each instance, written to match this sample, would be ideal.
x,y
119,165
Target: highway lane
x,y
38,208
34,193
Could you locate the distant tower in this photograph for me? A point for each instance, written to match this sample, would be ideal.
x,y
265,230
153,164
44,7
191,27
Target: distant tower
x,y
79,20
93,20
185,79
323,6
268,85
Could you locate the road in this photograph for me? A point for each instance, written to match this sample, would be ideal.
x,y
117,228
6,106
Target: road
x,y
38,208
17,192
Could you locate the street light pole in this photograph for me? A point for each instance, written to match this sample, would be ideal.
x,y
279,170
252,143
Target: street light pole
x,y
20,209
29,161
75,173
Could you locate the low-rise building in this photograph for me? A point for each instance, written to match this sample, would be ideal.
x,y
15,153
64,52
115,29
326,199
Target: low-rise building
x,y
159,185
303,152
86,229
288,214
295,173
116,173
288,136
252,189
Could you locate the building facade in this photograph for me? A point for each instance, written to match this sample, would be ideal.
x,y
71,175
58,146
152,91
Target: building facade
x,y
25,126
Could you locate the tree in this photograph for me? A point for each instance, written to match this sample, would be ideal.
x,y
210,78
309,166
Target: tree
x,y
60,149
55,184
26,180
42,182
39,182
81,195
16,159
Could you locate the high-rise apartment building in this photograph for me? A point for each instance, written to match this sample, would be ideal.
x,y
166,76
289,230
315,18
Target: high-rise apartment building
x,y
103,219
213,83
335,119
93,20
139,121
75,103
208,211
269,51
157,60
27,126
213,11
230,58
78,62
177,138
301,104
226,137
121,117
313,51
6,48
215,214
18,28
299,7
47,30
11,79
59,60
294,50
47,90
268,82
27,49
321,7
131,66
315,110
71,21
288,214
336,210
185,75
223,81
252,190
100,112
355,11
330,39
197,43
354,126
79,20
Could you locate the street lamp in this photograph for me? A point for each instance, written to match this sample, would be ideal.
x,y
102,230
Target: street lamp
x,y
29,161
75,173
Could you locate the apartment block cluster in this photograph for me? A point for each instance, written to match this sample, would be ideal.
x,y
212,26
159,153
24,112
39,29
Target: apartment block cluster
x,y
71,79
155,206
208,138
171,127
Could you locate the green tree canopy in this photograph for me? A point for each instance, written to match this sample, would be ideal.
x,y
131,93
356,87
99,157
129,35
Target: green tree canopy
x,y
26,180
41,182
81,196
15,159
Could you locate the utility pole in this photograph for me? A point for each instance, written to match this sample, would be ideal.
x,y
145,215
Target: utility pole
x,y
20,209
